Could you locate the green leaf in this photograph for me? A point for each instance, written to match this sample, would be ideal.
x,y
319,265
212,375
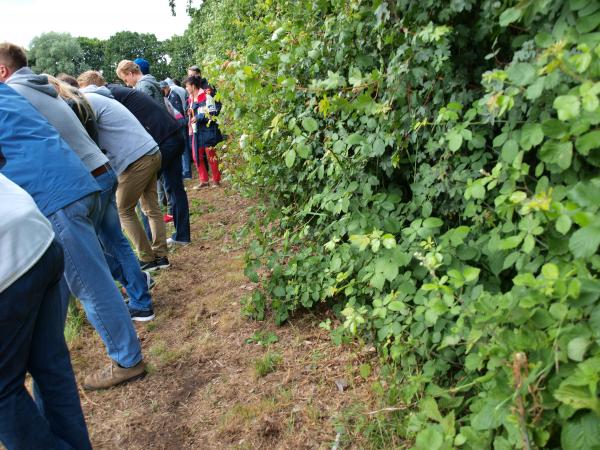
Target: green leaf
x,y
587,142
588,23
563,224
429,439
454,140
510,149
290,157
360,241
577,347
531,135
554,128
559,153
581,433
354,139
521,73
584,242
432,222
365,370
510,242
471,273
430,408
388,241
303,150
310,124
576,397
567,106
378,147
509,16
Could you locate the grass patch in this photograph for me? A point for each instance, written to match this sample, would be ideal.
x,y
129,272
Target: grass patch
x,y
264,338
75,320
163,354
267,364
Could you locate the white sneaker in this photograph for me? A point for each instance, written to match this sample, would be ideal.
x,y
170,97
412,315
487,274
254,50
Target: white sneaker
x,y
172,242
149,280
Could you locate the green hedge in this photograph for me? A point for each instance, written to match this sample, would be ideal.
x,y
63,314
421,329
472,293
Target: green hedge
x,y
429,170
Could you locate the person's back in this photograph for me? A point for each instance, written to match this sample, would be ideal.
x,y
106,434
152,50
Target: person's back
x,y
121,135
65,178
43,96
157,121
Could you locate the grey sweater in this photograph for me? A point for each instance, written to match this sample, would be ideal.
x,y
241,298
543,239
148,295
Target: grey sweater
x,y
148,85
43,96
120,134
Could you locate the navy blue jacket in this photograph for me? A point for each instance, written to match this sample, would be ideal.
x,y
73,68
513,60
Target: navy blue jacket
x,y
156,120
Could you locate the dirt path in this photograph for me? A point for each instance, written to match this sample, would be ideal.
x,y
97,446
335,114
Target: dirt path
x,y
203,390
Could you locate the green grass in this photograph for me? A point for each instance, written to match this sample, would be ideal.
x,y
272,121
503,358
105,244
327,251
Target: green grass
x,y
267,364
75,320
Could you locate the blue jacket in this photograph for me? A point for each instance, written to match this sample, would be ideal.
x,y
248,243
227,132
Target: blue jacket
x,y
207,129
37,158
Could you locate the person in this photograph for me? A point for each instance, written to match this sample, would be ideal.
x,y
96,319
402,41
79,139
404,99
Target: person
x,y
174,92
165,130
31,327
78,104
137,160
194,71
86,272
130,73
143,65
122,261
206,131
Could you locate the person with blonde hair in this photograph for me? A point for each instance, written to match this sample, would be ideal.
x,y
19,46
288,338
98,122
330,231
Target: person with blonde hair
x,y
131,74
78,104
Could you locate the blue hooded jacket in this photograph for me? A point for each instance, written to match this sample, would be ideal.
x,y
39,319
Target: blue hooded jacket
x,y
37,158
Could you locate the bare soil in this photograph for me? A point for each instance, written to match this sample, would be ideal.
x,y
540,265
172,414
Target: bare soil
x,y
203,390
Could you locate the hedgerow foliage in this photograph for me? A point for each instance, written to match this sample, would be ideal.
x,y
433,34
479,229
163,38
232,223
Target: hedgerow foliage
x,y
430,169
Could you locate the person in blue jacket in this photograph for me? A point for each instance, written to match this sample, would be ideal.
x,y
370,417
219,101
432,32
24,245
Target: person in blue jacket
x,y
41,162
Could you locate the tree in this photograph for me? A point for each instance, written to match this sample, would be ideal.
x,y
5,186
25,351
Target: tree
x,y
92,54
132,45
53,53
178,52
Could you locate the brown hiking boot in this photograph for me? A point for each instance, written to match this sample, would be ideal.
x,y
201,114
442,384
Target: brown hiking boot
x,y
113,375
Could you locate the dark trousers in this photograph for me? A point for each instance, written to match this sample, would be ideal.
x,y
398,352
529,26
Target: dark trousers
x,y
32,340
171,150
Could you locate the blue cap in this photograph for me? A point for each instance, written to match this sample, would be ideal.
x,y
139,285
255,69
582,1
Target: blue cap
x,y
143,64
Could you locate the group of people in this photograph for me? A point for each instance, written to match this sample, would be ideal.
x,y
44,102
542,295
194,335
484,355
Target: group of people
x,y
77,157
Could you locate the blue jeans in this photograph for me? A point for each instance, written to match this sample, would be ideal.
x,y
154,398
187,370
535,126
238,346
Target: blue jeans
x,y
171,150
90,280
122,261
186,158
32,340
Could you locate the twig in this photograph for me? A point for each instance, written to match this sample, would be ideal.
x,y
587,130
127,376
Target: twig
x,y
391,408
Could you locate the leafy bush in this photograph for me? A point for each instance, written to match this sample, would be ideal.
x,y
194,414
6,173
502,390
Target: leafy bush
x,y
430,169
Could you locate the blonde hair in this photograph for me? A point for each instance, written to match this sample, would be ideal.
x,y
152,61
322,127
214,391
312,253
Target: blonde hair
x,y
127,66
91,77
68,92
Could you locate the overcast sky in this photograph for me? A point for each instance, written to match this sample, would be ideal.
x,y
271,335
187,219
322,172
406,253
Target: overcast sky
x,y
22,20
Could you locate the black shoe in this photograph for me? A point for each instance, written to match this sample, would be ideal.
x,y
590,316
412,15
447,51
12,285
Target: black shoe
x,y
162,263
149,266
141,316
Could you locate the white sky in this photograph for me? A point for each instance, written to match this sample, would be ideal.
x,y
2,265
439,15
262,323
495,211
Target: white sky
x,y
22,20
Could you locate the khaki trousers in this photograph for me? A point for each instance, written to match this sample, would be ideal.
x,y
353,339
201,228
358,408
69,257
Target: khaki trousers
x,y
138,182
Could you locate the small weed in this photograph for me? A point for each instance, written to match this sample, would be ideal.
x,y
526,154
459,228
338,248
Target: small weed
x,y
161,352
267,364
263,338
75,321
